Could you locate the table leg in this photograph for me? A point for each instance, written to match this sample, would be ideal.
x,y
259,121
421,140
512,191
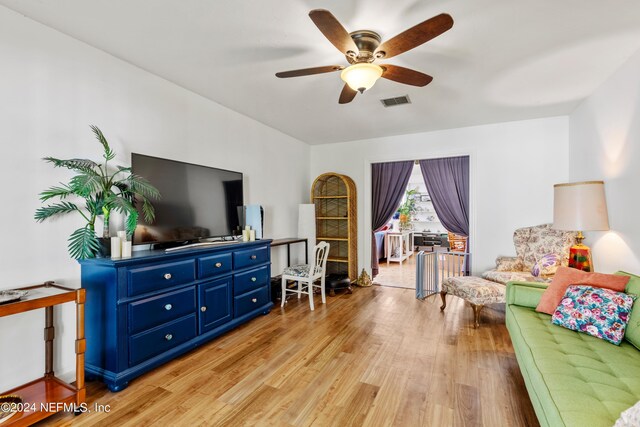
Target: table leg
x,y
49,335
288,255
80,346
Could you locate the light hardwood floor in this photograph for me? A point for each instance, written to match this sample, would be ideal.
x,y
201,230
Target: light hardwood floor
x,y
378,357
398,275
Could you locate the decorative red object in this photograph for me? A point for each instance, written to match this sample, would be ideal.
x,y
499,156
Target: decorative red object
x,y
580,257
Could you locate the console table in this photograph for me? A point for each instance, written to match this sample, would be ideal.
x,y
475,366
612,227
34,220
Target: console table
x,y
146,310
401,239
49,394
288,241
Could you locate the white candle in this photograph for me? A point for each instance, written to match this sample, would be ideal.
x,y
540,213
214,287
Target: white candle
x,y
122,235
248,227
126,248
252,235
245,235
115,247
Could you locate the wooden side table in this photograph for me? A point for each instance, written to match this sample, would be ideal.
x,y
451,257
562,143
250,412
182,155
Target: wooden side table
x,y
45,396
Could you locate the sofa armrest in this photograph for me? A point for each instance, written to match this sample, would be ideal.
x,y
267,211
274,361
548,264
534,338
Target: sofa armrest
x,y
509,263
525,294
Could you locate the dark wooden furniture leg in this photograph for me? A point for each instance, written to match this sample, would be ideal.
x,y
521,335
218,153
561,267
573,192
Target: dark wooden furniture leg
x,y
476,314
443,295
49,335
80,346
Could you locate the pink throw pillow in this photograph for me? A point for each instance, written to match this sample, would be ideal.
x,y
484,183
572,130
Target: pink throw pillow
x,y
566,277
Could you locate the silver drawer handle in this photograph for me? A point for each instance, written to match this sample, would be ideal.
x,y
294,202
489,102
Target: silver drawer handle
x,y
254,300
253,257
167,276
168,337
203,309
168,307
253,279
218,264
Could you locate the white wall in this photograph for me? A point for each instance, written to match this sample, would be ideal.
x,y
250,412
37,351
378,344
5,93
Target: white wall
x,y
513,168
52,88
605,144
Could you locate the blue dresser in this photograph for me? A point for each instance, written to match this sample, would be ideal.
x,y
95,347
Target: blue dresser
x,y
143,311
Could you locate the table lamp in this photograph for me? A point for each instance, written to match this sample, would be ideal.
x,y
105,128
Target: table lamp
x,y
580,206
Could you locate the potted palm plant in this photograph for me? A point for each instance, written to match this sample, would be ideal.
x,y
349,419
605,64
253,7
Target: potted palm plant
x,y
407,208
97,190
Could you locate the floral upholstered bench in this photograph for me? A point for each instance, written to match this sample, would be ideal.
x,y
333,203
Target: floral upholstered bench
x,y
475,290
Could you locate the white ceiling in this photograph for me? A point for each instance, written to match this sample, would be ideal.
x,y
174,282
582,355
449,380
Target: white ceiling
x,y
503,60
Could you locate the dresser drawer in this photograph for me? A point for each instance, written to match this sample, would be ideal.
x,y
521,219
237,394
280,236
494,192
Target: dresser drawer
x,y
159,276
250,257
214,265
250,280
154,311
248,302
160,339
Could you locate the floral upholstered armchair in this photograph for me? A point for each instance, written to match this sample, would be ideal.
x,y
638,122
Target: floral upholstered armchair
x,y
540,251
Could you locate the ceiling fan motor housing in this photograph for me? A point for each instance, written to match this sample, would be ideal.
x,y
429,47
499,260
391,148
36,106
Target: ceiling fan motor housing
x,y
367,42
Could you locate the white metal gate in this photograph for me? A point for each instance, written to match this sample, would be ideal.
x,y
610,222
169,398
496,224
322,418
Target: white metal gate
x,y
433,267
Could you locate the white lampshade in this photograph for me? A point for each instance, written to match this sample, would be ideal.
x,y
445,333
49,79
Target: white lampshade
x,y
361,76
580,206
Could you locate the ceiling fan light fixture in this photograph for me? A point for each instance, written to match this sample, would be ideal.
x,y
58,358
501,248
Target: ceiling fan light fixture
x,y
361,76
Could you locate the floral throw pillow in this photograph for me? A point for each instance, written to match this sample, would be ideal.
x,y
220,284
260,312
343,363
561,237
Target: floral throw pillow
x,y
599,312
546,265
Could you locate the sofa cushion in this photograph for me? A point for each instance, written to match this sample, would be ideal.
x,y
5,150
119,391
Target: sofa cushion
x,y
512,276
632,334
574,379
566,276
601,313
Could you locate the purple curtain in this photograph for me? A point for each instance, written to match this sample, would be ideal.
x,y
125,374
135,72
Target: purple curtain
x,y
447,182
389,185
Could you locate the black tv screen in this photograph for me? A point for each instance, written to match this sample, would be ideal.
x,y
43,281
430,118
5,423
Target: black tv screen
x,y
197,202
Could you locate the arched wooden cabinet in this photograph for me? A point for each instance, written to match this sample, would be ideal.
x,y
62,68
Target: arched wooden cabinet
x,y
337,221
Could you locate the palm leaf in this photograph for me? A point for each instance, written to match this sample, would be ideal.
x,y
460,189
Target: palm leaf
x,y
55,209
86,184
80,165
52,192
108,152
148,211
131,222
139,185
119,204
83,243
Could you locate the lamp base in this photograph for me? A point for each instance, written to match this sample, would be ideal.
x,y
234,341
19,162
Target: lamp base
x,y
580,257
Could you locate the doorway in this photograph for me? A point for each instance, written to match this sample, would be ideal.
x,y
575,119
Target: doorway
x,y
414,224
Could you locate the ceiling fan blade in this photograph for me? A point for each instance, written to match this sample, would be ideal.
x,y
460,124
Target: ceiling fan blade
x,y
309,71
405,75
347,95
415,36
333,31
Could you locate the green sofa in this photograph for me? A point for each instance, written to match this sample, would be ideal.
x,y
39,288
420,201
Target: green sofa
x,y
573,379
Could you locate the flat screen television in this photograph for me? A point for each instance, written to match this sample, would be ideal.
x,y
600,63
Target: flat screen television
x,y
197,202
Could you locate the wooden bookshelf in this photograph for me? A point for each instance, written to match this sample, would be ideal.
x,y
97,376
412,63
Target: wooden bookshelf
x,y
334,196
47,395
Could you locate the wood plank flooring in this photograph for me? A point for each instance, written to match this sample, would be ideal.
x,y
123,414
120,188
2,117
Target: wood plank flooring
x,y
378,357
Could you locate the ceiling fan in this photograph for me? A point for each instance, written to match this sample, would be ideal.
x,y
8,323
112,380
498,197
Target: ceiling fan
x,y
363,47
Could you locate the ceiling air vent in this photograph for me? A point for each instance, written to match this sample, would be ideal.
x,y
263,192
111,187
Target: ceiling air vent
x,y
392,102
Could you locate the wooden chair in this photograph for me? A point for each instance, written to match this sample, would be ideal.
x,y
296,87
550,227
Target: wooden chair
x,y
307,274
457,243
